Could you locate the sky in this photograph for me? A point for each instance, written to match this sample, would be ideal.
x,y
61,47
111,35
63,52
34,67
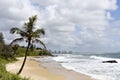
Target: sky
x,y
73,25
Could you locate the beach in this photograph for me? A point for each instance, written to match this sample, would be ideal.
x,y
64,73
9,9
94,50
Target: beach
x,y
39,70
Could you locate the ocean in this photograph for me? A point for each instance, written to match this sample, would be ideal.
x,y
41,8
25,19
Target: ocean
x,y
91,64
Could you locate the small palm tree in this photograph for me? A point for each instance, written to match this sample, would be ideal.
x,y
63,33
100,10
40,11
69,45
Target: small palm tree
x,y
30,35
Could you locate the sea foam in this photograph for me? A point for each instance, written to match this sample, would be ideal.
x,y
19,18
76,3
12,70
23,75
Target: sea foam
x,y
91,65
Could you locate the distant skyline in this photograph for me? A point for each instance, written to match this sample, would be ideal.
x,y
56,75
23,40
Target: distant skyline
x,y
72,25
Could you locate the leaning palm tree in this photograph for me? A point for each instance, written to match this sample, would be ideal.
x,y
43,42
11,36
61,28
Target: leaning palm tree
x,y
30,35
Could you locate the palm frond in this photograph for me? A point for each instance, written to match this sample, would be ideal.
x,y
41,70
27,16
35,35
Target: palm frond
x,y
39,41
13,30
18,31
16,40
29,26
33,19
40,31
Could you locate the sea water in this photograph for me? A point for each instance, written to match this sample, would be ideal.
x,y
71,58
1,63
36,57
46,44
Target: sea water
x,y
91,64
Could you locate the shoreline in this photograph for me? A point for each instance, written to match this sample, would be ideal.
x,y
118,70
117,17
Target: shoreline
x,y
41,70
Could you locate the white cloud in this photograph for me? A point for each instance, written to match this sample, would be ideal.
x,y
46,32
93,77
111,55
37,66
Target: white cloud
x,y
16,9
69,24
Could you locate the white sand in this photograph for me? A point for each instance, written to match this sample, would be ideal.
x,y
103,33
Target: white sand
x,y
45,71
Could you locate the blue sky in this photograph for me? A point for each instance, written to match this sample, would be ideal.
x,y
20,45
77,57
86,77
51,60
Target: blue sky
x,y
77,25
116,13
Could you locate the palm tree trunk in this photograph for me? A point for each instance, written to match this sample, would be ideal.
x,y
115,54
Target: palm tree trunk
x,y
26,53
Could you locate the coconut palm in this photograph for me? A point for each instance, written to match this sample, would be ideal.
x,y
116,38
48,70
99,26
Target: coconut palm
x,y
29,34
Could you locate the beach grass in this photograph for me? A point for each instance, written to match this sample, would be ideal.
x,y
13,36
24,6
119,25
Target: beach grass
x,y
5,75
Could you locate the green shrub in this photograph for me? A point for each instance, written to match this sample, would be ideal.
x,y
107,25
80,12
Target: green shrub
x,y
4,75
6,52
21,52
45,53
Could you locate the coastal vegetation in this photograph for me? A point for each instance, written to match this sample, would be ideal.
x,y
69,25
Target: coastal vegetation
x,y
5,49
6,57
4,75
8,53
